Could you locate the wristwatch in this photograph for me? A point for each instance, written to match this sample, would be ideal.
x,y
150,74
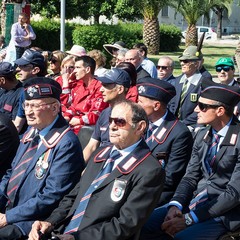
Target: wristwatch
x,y
188,219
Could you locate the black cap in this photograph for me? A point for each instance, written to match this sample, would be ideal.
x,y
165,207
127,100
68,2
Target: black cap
x,y
31,57
42,87
154,88
117,76
6,69
226,94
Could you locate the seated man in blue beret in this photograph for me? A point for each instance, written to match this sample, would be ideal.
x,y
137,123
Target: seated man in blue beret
x,y
206,202
48,163
169,139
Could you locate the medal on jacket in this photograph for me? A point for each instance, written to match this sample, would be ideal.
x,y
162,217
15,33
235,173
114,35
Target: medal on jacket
x,y
42,165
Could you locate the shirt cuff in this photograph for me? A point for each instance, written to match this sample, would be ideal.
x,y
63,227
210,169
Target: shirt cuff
x,y
176,204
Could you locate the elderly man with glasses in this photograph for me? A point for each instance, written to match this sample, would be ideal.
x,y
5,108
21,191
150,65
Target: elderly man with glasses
x,y
118,190
165,69
48,163
206,202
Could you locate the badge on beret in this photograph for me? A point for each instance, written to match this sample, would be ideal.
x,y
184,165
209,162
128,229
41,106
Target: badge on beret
x,y
193,97
118,189
31,90
141,89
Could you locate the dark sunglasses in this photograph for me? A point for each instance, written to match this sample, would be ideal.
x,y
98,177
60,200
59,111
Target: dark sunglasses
x,y
120,122
161,67
204,107
224,68
53,61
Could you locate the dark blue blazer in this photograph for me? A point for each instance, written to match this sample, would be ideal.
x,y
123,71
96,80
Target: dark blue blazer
x,y
173,143
36,198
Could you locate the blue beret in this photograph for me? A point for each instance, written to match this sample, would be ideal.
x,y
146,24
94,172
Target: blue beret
x,y
154,88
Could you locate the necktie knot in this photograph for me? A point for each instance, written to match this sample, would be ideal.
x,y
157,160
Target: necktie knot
x,y
150,130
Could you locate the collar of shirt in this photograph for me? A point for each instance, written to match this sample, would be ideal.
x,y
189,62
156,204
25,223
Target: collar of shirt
x,y
44,131
160,121
125,152
194,79
231,83
222,133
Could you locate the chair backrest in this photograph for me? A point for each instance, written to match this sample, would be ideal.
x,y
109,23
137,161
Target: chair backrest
x,y
85,134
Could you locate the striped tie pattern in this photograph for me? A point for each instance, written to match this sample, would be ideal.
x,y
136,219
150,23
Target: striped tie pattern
x,y
183,93
212,152
150,131
20,169
79,212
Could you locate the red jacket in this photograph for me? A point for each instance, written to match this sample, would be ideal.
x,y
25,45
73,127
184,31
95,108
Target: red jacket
x,y
84,103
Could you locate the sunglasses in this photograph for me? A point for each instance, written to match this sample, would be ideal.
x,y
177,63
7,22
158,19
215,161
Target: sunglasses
x,y
204,107
120,122
161,67
224,68
53,61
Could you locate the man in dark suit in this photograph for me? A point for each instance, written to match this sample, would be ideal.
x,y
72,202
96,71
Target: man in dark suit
x,y
118,206
134,56
188,86
9,141
47,165
171,141
206,202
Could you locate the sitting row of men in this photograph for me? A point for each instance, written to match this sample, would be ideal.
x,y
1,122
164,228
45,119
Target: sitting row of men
x,y
139,157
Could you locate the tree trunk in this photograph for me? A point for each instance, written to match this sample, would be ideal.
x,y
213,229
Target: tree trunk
x,y
191,36
219,23
151,35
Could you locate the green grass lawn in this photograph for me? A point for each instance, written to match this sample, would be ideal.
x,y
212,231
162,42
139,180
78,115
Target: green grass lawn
x,y
211,55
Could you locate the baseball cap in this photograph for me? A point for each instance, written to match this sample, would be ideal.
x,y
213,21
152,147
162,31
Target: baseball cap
x,y
191,53
117,76
6,69
225,61
31,57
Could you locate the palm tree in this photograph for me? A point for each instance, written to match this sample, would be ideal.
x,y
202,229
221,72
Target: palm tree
x,y
151,32
192,10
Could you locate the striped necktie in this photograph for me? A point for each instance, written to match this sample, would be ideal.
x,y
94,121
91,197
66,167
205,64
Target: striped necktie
x,y
150,131
20,169
79,212
212,152
183,93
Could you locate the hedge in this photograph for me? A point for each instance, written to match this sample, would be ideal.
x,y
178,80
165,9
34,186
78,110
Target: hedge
x,y
94,36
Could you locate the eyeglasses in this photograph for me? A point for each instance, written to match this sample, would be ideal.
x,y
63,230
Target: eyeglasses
x,y
162,67
53,61
204,107
35,106
69,67
120,122
224,68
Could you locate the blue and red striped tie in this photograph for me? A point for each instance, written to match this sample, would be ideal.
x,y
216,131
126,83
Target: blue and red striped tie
x,y
20,169
79,213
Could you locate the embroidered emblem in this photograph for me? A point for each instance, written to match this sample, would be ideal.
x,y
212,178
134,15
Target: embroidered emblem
x,y
193,97
31,90
118,189
141,89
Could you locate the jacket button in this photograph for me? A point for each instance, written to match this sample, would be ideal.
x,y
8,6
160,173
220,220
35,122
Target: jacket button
x,y
209,182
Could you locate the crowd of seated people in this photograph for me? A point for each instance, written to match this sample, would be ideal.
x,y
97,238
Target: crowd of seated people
x,y
176,137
